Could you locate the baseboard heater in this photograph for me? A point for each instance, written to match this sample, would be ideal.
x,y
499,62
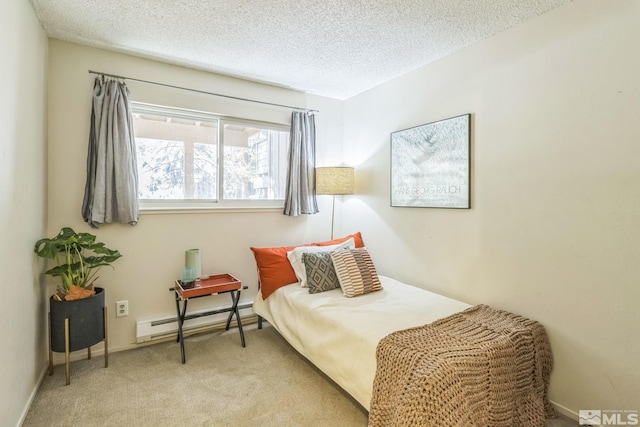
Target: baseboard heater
x,y
197,321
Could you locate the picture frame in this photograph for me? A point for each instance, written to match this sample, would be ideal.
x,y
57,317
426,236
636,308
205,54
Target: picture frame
x,y
430,165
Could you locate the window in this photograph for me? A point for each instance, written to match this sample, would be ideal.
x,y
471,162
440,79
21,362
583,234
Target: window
x,y
194,159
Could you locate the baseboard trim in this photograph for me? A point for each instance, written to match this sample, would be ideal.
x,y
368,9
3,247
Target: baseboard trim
x,y
25,411
58,358
568,412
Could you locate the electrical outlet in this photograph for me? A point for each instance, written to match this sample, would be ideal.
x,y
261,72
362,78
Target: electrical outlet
x,y
122,308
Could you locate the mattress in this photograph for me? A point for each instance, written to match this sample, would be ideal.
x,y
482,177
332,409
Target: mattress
x,y
339,335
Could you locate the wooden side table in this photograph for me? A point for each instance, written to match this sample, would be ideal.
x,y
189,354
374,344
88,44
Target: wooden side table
x,y
206,286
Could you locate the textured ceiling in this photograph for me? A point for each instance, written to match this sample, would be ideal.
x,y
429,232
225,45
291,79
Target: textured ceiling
x,y
334,48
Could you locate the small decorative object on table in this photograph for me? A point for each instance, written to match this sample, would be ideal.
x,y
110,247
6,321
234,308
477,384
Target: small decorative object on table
x,y
188,278
192,260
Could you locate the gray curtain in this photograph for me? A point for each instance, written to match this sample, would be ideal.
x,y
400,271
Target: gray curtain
x,y
111,191
300,195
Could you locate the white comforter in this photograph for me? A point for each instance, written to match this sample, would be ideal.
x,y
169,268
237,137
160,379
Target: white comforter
x,y
339,335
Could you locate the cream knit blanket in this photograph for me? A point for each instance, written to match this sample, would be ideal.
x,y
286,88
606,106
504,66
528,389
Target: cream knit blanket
x,y
479,367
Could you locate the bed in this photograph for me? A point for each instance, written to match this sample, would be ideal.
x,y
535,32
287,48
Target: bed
x,y
407,355
339,335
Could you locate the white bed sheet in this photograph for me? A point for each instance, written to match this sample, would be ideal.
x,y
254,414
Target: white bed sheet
x,y
339,335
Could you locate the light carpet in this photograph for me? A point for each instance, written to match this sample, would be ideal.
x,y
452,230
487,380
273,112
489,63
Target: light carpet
x,y
222,384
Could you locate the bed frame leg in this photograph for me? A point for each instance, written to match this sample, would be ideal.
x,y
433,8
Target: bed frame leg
x,y
259,322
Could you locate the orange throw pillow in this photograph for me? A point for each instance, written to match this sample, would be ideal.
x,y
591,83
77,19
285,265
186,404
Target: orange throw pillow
x,y
274,269
357,238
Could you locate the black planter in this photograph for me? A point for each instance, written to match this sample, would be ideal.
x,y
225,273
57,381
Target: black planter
x,y
86,322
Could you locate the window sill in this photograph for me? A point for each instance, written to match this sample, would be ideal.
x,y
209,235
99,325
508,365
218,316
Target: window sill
x,y
170,210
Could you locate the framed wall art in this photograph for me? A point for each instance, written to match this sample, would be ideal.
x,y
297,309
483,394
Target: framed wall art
x,y
430,165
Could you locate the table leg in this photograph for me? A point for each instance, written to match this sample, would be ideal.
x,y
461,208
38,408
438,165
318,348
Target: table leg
x,y
240,325
232,311
235,298
181,315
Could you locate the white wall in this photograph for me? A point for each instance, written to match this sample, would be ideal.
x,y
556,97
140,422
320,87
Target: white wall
x,y
555,221
23,49
153,250
552,233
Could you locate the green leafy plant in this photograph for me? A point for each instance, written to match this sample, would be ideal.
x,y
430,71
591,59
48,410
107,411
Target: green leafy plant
x,y
78,258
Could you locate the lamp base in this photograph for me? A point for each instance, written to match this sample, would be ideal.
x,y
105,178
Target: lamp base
x,y
333,211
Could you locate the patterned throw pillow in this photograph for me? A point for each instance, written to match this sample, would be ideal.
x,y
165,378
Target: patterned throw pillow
x,y
356,273
295,257
321,276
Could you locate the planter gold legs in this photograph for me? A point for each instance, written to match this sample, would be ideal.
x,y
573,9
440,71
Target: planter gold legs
x,y
50,351
106,339
67,353
66,350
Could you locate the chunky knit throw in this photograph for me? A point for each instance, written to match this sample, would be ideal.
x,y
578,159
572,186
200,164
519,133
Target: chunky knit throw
x,y
480,367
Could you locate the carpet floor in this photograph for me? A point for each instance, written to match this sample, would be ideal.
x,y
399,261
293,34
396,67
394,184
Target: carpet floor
x,y
222,384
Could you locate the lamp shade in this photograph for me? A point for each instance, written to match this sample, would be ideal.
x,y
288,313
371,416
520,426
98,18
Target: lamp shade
x,y
335,180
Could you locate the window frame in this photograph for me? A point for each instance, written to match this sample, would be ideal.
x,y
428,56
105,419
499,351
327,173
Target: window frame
x,y
220,203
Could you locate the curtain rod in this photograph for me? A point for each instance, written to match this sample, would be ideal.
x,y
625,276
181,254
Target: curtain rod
x,y
201,91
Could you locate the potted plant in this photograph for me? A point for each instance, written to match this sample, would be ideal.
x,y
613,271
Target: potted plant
x,y
77,317
78,259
